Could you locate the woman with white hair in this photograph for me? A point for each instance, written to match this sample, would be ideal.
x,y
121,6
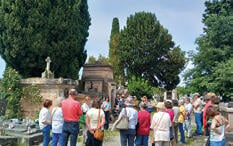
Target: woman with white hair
x,y
160,125
57,123
128,136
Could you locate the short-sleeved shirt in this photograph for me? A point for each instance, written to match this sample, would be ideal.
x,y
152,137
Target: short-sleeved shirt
x,y
182,114
71,110
93,114
106,106
198,103
132,114
188,110
85,107
161,124
44,116
57,120
176,113
218,122
171,114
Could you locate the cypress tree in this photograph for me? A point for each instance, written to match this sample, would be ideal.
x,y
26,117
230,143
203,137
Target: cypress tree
x,y
113,51
32,30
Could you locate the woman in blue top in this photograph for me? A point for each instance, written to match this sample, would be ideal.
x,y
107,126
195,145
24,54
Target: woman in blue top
x,y
106,106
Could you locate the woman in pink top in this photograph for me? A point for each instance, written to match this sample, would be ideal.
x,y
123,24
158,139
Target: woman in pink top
x,y
169,110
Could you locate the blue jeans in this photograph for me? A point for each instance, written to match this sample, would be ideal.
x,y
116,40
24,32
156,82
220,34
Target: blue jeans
x,y
91,141
198,123
56,138
181,129
142,140
127,135
70,129
218,143
107,117
46,135
188,127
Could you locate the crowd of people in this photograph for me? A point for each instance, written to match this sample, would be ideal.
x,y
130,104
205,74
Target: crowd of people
x,y
171,118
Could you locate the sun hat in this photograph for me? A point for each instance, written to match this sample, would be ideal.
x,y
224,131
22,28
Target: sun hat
x,y
196,94
160,105
129,101
144,97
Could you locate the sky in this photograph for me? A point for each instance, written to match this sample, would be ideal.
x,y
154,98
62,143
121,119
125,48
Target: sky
x,y
182,18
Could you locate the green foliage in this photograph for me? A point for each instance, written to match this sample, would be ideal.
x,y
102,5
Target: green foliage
x,y
212,62
32,30
115,27
183,91
223,76
10,86
101,60
147,50
139,87
32,94
118,71
91,60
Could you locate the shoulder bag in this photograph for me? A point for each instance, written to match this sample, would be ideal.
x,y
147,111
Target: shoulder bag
x,y
123,123
99,134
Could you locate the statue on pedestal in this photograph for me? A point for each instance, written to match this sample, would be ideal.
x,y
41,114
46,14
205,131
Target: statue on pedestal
x,y
47,73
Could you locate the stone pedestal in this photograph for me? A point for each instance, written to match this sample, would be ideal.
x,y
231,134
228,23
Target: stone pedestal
x,y
227,113
49,89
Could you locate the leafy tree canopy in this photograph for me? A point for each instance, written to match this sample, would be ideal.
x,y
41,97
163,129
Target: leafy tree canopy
x,y
215,50
100,60
32,30
147,50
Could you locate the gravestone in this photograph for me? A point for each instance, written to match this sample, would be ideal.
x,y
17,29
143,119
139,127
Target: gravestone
x,y
2,107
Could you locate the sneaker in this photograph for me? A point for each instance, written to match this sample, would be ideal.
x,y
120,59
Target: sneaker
x,y
181,143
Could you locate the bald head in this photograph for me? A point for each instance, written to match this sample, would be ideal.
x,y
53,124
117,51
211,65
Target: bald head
x,y
73,93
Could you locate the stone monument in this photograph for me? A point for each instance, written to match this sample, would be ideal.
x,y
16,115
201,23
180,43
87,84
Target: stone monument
x,y
50,88
98,81
47,73
170,95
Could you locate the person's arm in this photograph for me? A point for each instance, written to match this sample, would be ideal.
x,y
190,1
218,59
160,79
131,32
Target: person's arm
x,y
79,110
110,107
102,120
227,124
87,121
213,127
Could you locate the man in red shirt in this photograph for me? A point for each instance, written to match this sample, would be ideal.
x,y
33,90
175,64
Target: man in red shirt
x,y
71,111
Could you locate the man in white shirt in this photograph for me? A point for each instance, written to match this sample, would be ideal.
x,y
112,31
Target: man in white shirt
x,y
197,107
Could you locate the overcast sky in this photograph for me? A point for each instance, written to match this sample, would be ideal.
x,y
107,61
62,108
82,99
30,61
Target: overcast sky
x,y
182,18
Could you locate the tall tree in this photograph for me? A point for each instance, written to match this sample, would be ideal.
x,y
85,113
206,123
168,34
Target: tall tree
x,y
32,30
115,27
147,50
214,48
114,51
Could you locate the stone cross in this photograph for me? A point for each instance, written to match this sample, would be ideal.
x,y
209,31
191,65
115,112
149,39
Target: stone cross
x,y
48,61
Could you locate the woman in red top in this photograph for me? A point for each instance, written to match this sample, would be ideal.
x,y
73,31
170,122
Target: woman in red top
x,y
169,110
143,130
